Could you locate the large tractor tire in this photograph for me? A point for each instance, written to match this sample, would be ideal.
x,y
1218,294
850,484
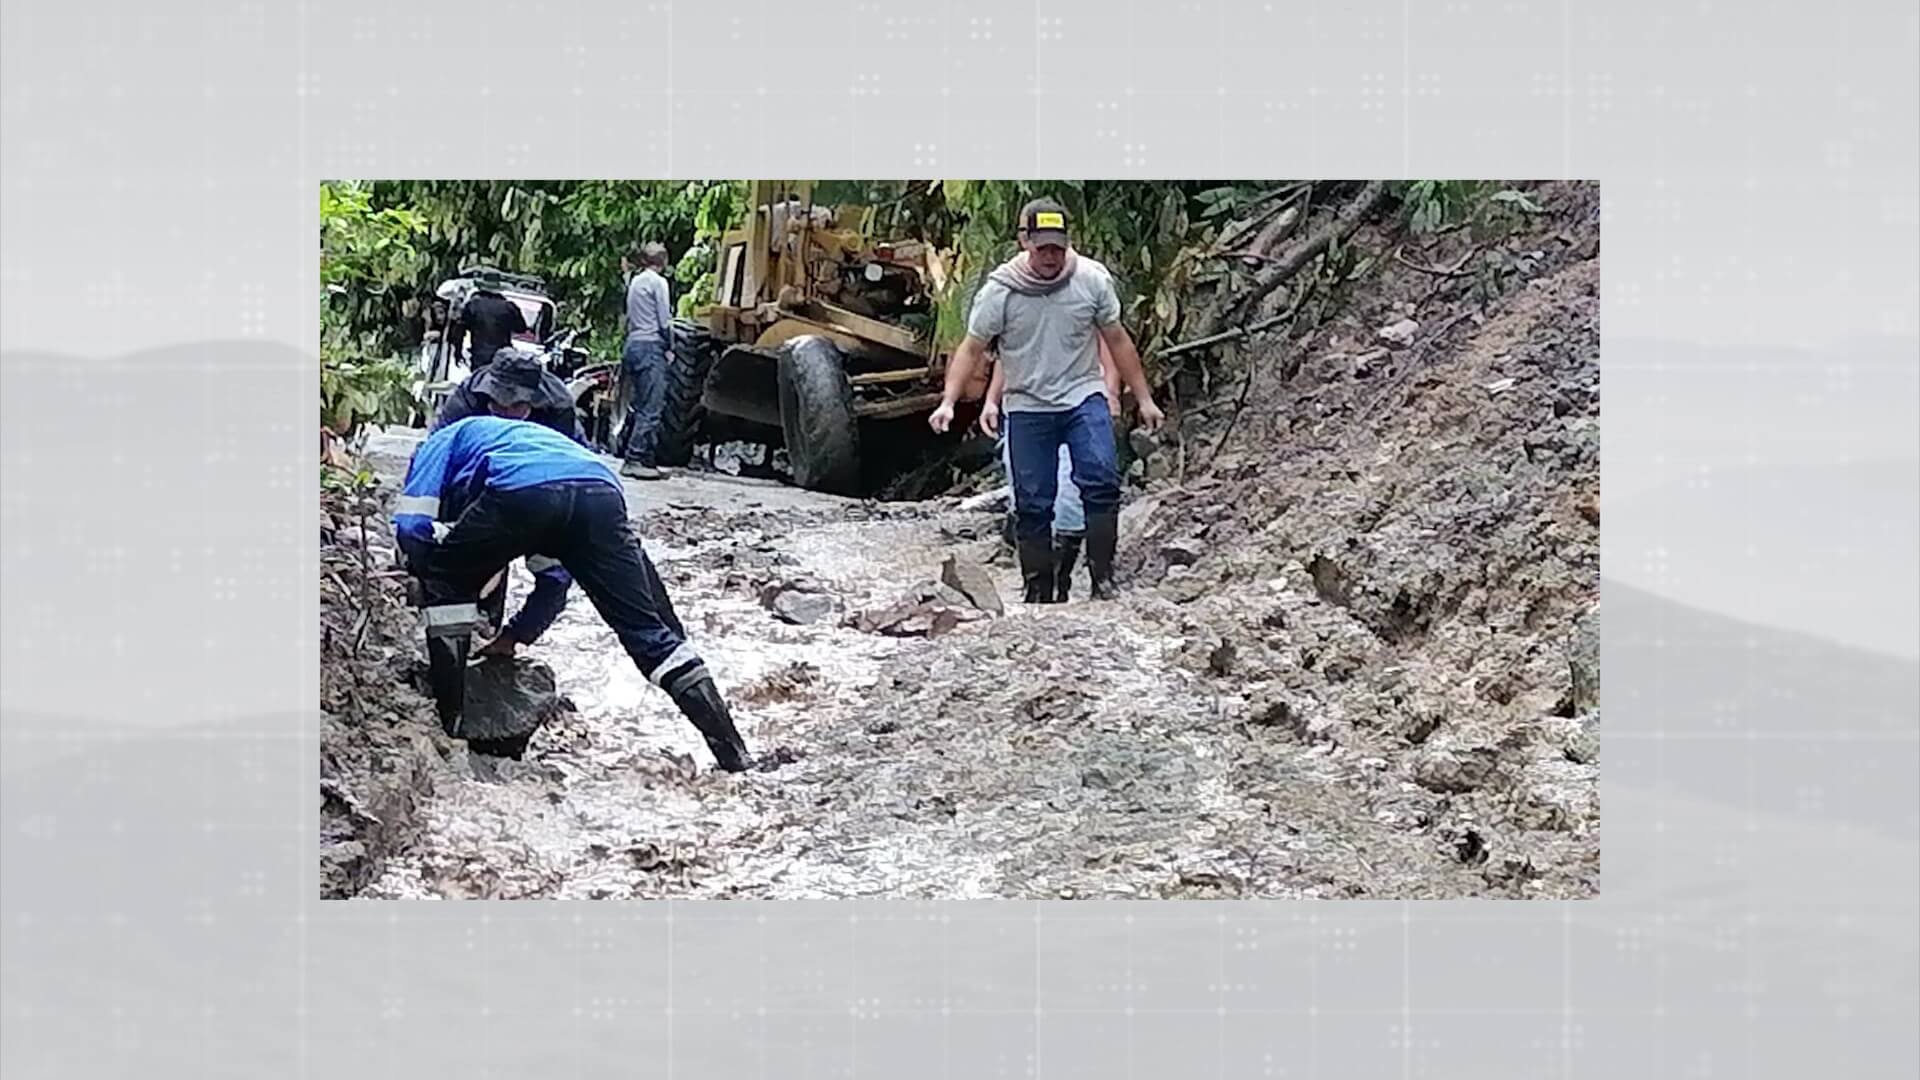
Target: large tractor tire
x,y
816,416
681,412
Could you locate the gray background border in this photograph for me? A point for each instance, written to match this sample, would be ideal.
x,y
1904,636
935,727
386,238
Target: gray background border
x,y
1761,217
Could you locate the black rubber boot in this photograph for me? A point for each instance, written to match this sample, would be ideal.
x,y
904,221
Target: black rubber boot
x,y
1036,568
1066,552
701,702
1103,536
447,675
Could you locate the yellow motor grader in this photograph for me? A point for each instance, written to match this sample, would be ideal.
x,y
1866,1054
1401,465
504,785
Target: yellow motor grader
x,y
817,333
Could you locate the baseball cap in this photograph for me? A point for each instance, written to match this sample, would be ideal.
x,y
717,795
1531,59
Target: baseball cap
x,y
513,378
1045,222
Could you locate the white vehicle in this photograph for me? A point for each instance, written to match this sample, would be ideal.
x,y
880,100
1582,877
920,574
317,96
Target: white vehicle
x,y
444,362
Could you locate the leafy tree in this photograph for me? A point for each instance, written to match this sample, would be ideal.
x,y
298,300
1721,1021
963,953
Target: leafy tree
x,y
368,260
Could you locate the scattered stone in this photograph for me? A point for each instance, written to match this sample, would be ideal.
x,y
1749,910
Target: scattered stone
x,y
1455,771
1576,738
996,501
776,758
1471,848
795,680
1399,334
1183,586
1184,552
803,608
930,610
971,581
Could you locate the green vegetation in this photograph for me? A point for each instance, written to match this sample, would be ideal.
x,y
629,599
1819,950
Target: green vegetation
x,y
1174,247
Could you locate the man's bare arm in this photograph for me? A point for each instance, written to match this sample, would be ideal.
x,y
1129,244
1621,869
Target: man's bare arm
x,y
1127,359
959,369
1110,376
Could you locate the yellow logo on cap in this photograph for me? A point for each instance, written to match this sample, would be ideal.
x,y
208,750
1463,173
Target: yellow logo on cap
x,y
1049,220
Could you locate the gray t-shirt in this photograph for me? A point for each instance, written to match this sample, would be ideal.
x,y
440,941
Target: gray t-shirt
x,y
649,308
1049,343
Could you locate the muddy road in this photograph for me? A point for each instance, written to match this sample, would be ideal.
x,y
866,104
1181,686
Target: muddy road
x,y
1060,751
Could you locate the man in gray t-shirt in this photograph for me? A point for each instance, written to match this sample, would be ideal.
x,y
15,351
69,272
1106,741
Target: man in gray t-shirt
x,y
1050,307
645,354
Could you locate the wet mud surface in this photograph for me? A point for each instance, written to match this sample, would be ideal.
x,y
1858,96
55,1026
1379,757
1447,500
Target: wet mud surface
x,y
1356,657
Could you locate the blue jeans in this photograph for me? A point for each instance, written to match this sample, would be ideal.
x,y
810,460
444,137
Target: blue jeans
x,y
1069,517
645,362
1034,441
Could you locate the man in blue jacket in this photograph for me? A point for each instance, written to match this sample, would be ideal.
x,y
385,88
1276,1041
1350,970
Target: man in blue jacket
x,y
517,386
486,490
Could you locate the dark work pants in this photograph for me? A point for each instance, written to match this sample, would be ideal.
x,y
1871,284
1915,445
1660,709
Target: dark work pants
x,y
583,524
1033,450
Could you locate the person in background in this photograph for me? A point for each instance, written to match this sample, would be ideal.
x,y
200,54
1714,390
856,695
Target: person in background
x,y
644,356
489,321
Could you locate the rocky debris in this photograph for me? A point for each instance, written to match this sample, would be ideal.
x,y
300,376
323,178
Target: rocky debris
x,y
1577,738
1362,688
997,501
1455,770
1399,334
382,755
1583,661
794,681
798,606
971,581
929,610
1183,586
1183,552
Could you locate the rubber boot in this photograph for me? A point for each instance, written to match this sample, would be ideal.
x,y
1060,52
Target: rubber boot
x,y
1036,568
447,675
1103,536
701,702
1066,552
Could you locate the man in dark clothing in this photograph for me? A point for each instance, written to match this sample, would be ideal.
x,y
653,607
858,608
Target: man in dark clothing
x,y
490,321
518,387
486,490
514,381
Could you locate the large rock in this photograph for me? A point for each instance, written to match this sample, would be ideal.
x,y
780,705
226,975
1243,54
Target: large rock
x,y
800,602
507,701
971,581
